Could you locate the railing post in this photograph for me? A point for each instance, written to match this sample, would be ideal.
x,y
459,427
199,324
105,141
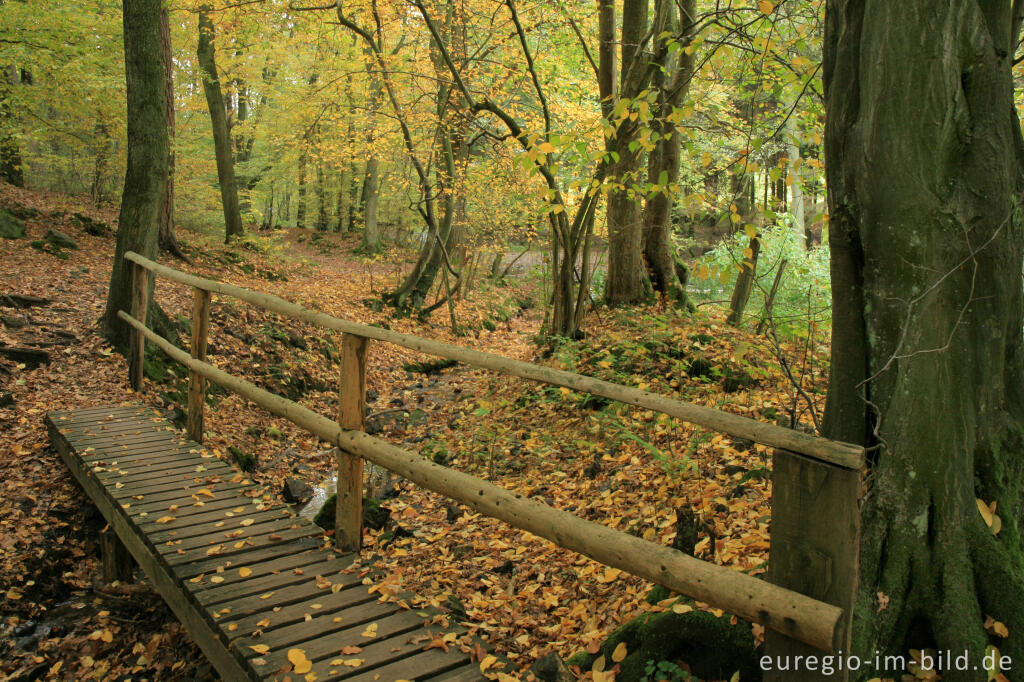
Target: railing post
x,y
815,550
197,382
140,304
348,523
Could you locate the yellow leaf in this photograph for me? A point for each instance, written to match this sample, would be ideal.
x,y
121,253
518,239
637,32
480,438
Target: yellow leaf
x,y
205,491
353,662
244,572
546,148
750,231
268,595
766,6
488,661
706,159
260,648
997,524
748,253
986,513
165,519
217,579
247,522
620,653
681,608
299,660
370,631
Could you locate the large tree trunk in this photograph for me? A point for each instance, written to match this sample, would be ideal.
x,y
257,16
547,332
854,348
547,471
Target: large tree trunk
x,y
924,176
218,117
627,275
369,201
148,148
663,171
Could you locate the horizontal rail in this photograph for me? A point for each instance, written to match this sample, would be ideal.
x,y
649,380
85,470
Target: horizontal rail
x,y
797,616
840,454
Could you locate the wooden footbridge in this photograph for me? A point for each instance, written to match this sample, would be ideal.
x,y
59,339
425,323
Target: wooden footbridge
x,y
265,599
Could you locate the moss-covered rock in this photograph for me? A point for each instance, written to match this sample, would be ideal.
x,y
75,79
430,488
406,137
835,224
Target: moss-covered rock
x,y
247,462
710,646
374,515
10,226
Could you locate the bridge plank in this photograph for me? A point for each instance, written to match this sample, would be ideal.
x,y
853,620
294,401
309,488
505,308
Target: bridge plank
x,y
154,488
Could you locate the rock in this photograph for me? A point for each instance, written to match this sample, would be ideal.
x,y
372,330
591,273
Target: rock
x,y
32,357
460,551
13,321
60,240
96,228
699,368
296,491
551,668
11,227
453,513
6,400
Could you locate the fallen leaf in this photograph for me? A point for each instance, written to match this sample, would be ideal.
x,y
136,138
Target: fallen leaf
x,y
244,572
260,648
370,631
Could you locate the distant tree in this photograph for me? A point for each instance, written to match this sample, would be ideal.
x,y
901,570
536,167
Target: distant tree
x,y
10,153
148,148
925,159
206,53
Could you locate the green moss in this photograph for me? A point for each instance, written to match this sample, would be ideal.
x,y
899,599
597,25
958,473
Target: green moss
x,y
713,648
374,515
246,462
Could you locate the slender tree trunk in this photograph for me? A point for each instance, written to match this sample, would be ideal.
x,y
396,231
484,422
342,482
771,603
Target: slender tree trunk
x,y
206,54
926,250
148,149
796,186
11,170
343,198
167,239
321,199
300,210
101,164
744,282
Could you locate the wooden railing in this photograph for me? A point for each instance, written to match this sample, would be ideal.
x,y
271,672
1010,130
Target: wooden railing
x,y
793,615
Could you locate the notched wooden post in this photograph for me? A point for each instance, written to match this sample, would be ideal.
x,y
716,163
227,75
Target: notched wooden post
x,y
348,523
197,382
815,549
118,564
140,304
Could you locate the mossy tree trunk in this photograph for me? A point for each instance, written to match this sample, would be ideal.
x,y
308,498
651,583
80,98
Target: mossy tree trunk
x,y
148,148
206,55
924,157
663,166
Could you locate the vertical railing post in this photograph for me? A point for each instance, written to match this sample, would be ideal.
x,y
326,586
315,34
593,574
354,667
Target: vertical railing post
x,y
140,304
197,382
348,524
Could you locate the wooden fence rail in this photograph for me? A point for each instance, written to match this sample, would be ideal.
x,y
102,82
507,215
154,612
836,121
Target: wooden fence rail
x,y
793,615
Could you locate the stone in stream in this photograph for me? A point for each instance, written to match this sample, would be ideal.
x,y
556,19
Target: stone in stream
x,y
296,491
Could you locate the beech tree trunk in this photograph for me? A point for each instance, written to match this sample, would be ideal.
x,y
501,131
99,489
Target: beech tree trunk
x,y
627,275
300,210
668,272
206,55
148,148
167,240
924,177
369,201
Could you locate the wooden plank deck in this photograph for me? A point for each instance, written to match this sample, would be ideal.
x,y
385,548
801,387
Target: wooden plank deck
x,y
250,581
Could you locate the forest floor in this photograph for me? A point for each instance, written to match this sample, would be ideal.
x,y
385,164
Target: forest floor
x,y
627,468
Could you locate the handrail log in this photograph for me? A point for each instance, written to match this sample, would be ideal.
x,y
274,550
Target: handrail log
x,y
841,454
797,616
